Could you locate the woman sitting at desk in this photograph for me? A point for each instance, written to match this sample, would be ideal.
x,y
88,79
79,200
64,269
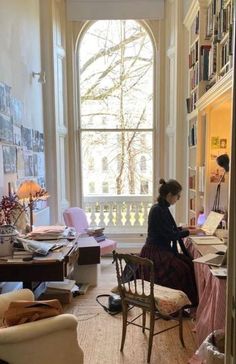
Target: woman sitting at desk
x,y
172,269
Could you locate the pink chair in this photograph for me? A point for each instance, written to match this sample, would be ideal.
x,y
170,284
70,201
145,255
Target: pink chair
x,y
76,217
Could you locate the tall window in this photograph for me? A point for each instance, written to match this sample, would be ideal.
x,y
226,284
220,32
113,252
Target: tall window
x,y
115,62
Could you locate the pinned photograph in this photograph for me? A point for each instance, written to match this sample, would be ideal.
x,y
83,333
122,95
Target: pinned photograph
x,y
5,99
9,159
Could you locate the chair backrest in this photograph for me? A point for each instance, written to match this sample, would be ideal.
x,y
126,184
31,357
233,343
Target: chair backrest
x,y
76,217
135,276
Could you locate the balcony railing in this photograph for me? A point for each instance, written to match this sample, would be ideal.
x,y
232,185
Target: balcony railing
x,y
119,214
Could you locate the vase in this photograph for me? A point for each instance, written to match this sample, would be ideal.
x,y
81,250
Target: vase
x,y
7,238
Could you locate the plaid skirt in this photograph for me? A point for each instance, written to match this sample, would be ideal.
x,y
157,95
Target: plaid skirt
x,y
172,270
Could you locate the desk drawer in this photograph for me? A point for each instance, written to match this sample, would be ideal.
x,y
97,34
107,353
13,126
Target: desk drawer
x,y
72,259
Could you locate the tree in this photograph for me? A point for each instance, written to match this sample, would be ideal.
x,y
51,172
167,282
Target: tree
x,y
115,62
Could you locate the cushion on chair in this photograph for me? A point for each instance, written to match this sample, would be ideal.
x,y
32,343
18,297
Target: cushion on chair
x,y
167,300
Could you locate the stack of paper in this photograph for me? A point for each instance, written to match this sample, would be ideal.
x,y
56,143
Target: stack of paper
x,y
219,271
206,240
47,232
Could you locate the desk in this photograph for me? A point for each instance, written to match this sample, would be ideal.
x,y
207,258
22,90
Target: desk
x,y
48,269
211,309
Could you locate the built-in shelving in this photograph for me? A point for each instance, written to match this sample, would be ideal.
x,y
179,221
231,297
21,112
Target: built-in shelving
x,y
209,25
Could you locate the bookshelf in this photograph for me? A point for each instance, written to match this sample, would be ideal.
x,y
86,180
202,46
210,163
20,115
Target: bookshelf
x,y
209,27
219,27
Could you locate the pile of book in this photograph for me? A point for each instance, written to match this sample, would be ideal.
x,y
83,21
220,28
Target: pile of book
x,y
62,290
97,232
22,255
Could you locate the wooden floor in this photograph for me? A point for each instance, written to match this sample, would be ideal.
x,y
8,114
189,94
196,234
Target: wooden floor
x,y
99,333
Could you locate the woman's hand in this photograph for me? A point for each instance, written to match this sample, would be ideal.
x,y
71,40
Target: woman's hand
x,y
196,231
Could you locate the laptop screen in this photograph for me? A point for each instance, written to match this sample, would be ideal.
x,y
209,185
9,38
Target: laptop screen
x,y
212,222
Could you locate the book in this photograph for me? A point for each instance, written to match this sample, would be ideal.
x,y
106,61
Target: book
x,y
95,231
99,238
62,296
22,255
83,287
65,285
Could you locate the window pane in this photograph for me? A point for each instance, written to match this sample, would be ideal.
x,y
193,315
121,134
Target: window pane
x,y
116,76
122,151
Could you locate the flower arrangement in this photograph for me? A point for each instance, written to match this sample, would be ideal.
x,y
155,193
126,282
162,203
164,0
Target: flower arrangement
x,y
13,212
10,209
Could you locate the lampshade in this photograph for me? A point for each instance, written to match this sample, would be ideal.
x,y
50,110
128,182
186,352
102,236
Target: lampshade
x,y
33,192
28,189
223,161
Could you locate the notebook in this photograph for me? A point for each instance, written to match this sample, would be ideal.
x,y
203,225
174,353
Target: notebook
x,y
212,221
215,259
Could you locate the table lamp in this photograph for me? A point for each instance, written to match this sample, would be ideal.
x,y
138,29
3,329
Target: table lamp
x,y
31,192
222,161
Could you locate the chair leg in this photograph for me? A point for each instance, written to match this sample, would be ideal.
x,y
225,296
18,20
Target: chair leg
x,y
181,328
124,327
143,321
152,323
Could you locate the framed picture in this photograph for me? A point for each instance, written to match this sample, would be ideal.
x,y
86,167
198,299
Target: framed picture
x,y
223,143
215,142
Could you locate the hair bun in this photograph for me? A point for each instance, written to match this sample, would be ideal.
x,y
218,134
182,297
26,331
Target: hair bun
x,y
162,181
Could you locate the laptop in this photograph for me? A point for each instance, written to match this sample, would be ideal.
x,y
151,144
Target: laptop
x,y
218,259
210,225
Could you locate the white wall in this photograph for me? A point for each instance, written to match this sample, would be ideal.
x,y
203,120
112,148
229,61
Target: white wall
x,y
115,9
19,57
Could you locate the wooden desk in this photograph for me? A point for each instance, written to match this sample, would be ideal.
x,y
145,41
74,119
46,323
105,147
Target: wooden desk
x,y
48,269
211,309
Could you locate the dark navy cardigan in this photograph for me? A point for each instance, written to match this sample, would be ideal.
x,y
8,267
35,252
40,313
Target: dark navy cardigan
x,y
162,228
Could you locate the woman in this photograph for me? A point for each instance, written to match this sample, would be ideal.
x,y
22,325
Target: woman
x,y
172,269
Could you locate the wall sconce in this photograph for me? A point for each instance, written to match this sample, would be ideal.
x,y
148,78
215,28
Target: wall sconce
x,y
41,76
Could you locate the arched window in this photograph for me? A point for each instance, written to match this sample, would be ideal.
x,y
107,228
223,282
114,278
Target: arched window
x,y
116,122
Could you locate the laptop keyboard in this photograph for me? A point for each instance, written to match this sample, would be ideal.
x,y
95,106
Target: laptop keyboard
x,y
216,260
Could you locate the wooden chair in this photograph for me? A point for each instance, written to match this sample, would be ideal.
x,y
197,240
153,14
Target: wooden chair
x,y
161,302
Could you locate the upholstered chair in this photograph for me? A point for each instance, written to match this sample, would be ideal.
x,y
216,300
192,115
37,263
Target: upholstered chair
x,y
47,341
76,217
